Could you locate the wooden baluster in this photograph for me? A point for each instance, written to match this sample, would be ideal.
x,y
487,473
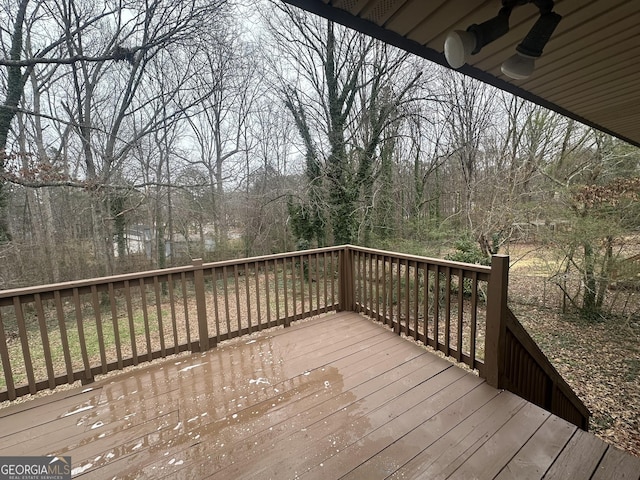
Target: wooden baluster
x,y
174,322
6,362
98,319
201,305
156,291
88,376
44,336
64,338
474,319
216,309
145,318
114,320
460,314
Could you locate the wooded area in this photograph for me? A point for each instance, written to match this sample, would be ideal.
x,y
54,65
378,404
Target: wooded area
x,y
139,135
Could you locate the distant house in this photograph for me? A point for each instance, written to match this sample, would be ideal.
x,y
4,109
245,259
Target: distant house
x,y
534,230
139,240
189,245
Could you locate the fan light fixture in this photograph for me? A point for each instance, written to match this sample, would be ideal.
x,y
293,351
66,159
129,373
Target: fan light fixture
x,y
459,44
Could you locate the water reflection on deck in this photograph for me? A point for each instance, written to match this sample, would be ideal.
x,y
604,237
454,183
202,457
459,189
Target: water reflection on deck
x,y
331,397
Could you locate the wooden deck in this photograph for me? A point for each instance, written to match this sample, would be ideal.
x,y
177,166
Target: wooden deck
x,y
334,397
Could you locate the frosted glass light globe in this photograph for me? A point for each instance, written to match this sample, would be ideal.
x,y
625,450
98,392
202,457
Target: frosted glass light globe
x,y
458,46
519,66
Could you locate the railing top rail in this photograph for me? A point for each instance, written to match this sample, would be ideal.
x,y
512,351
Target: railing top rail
x,y
88,282
275,256
470,267
189,268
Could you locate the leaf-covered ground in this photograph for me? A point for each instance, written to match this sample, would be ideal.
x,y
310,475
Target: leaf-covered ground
x,y
600,360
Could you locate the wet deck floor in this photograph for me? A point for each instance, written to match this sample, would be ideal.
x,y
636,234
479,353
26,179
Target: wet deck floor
x,y
334,397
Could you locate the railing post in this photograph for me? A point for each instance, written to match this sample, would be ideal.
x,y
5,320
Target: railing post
x,y
201,305
494,346
345,269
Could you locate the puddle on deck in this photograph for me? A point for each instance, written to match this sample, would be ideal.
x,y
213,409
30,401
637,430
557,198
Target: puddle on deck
x,y
181,410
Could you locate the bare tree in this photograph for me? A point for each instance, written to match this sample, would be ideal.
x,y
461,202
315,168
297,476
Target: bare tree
x,y
229,82
328,62
344,93
108,61
110,75
15,83
273,178
470,116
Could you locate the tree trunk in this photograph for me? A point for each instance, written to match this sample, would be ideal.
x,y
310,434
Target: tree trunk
x,y
15,86
49,229
605,274
589,305
384,208
116,202
316,227
434,202
48,226
102,243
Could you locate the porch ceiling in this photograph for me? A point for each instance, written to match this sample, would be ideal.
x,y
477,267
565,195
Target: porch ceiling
x,y
589,69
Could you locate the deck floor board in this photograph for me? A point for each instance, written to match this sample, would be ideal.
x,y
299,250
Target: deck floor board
x,y
535,457
337,396
405,448
579,459
487,461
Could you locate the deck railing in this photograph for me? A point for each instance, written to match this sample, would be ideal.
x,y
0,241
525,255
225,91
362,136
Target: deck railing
x,y
62,333
77,330
439,303
529,373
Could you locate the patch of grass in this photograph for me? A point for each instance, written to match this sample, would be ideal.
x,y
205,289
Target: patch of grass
x,y
91,340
